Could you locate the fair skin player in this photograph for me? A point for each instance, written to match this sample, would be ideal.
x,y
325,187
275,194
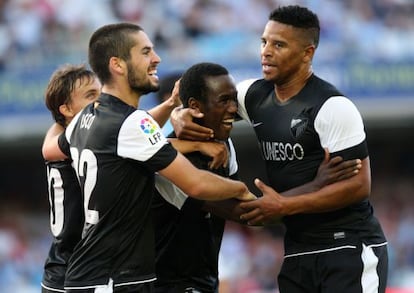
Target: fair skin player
x,y
129,81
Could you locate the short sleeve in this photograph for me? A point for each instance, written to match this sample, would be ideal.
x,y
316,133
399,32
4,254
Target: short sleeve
x,y
242,88
140,137
339,124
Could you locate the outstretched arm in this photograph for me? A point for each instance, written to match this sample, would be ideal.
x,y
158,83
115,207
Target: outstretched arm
x,y
202,184
217,151
329,171
272,205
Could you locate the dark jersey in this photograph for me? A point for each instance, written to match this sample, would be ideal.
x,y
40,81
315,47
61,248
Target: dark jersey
x,y
66,221
116,150
292,137
188,239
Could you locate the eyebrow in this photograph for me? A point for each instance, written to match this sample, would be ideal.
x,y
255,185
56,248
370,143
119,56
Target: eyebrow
x,y
146,48
91,91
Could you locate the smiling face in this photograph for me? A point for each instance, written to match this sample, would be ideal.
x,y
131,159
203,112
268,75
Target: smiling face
x,y
284,52
85,92
142,65
220,107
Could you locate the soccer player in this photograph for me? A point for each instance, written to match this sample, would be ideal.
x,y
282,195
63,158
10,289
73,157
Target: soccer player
x,y
333,241
188,236
117,149
71,88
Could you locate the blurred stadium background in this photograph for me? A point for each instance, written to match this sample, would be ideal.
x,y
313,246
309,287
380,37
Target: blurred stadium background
x,y
366,49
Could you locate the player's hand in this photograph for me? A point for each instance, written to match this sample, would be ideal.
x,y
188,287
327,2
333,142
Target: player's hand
x,y
335,169
247,196
184,127
174,99
266,209
218,151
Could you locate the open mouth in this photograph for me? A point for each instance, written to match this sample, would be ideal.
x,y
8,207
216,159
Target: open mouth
x,y
228,122
153,73
267,67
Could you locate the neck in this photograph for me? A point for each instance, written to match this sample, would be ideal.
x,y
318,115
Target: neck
x,y
124,94
289,89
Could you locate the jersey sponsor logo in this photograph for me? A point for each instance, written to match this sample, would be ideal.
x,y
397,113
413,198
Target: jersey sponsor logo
x,y
279,151
151,130
298,126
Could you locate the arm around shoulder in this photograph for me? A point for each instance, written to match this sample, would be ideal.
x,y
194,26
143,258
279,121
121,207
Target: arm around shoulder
x,y
50,147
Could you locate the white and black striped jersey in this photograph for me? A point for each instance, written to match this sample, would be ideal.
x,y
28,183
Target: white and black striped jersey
x,y
188,239
66,221
292,137
116,150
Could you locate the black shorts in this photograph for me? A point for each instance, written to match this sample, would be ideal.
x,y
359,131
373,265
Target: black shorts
x,y
356,269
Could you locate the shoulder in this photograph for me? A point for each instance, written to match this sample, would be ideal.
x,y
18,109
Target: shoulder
x,y
247,86
339,108
244,85
321,86
251,88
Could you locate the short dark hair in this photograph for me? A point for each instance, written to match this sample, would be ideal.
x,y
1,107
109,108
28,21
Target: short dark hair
x,y
61,85
112,40
193,82
298,17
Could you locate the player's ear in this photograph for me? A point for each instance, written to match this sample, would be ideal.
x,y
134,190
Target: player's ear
x,y
194,104
66,111
117,65
308,53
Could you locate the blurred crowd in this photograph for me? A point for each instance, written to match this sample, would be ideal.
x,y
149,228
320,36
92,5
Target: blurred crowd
x,y
34,32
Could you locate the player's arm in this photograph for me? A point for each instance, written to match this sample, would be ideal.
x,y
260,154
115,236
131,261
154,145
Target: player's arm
x,y
203,184
228,209
272,205
50,148
330,171
217,151
161,112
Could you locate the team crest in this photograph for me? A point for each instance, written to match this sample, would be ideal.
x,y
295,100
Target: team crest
x,y
298,126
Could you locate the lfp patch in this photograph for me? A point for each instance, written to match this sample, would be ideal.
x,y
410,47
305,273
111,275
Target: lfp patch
x,y
148,126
